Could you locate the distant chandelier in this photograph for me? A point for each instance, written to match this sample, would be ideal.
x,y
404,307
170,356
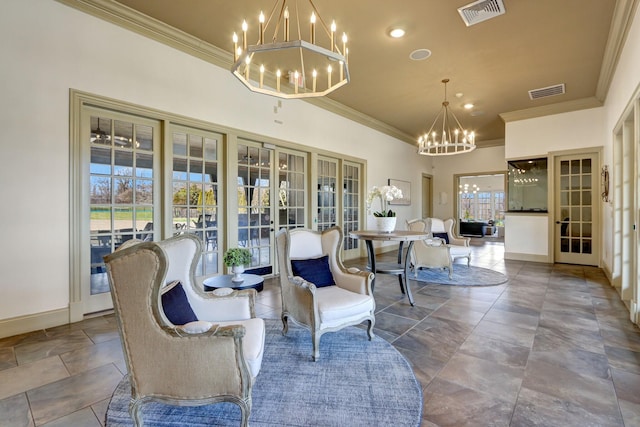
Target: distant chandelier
x,y
309,70
466,189
453,138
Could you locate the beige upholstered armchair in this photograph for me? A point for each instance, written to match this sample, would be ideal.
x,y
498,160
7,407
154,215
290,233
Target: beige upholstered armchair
x,y
445,229
182,346
318,292
432,252
439,227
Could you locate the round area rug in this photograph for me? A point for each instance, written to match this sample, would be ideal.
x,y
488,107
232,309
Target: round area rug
x,y
462,276
356,382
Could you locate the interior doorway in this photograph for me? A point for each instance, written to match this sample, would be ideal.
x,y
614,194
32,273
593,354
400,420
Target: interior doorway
x,y
480,205
427,198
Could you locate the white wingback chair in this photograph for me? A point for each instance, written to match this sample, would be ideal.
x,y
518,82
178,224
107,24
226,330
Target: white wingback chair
x,y
429,253
321,307
214,358
458,245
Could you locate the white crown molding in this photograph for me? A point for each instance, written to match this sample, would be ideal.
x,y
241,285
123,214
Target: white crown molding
x,y
620,24
142,24
154,29
547,110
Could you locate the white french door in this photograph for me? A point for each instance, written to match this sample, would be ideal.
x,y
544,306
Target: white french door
x,y
119,159
256,205
576,209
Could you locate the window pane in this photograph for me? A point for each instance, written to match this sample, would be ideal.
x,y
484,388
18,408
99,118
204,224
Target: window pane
x,y
144,165
180,144
100,161
100,130
123,163
123,134
100,192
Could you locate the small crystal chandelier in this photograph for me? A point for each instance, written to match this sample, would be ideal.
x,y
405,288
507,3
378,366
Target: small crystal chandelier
x,y
310,70
453,138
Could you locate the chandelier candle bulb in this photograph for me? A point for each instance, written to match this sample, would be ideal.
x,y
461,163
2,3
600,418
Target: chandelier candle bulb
x,y
261,75
235,47
333,36
295,84
286,24
315,75
245,27
344,44
247,61
313,28
278,74
261,27
329,70
341,71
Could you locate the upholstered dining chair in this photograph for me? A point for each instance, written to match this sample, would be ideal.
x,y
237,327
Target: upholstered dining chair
x,y
182,346
432,252
318,292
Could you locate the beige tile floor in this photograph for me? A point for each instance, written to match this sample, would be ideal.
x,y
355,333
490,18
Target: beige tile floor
x,y
552,347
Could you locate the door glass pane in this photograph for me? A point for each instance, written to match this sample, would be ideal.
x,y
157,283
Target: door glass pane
x,y
121,196
195,193
291,190
351,203
575,206
255,206
327,179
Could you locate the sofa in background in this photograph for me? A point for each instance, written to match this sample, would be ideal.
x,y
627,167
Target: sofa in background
x,y
472,228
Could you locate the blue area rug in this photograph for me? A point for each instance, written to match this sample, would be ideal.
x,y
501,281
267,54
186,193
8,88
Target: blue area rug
x,y
462,276
356,382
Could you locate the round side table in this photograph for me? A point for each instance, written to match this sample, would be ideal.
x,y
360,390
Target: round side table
x,y
251,281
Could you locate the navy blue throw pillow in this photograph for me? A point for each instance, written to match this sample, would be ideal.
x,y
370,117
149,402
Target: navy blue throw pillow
x,y
314,270
443,236
176,305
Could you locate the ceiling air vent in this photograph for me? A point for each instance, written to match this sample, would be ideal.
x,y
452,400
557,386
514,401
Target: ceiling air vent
x,y
547,91
481,10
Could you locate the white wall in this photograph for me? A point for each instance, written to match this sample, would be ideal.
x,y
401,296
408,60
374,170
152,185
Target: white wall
x,y
530,241
542,135
49,48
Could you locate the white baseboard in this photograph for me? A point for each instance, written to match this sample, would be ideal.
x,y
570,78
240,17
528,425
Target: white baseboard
x,y
527,257
33,322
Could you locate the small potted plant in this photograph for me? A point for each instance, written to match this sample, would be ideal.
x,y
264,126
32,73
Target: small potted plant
x,y
237,258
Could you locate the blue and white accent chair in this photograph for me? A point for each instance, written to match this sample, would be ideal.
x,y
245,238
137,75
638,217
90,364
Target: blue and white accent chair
x,y
318,292
182,346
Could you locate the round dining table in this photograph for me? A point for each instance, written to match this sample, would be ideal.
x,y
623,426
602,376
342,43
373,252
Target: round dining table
x,y
399,268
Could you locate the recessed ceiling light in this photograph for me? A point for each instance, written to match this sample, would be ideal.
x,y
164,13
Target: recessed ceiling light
x,y
420,54
468,106
396,33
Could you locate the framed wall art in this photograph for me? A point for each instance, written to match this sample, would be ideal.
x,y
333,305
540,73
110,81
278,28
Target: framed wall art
x,y
405,187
